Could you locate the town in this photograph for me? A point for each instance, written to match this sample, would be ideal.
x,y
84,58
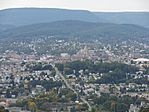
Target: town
x,y
69,75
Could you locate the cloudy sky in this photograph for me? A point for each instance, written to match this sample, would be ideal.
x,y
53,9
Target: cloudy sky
x,y
93,5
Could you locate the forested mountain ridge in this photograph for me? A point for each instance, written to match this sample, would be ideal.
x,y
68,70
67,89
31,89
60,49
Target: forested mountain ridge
x,y
137,18
25,23
26,16
79,29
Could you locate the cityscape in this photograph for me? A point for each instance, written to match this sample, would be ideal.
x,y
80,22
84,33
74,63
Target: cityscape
x,y
64,60
65,80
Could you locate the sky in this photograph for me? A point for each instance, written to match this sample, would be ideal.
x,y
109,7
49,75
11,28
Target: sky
x,y
92,5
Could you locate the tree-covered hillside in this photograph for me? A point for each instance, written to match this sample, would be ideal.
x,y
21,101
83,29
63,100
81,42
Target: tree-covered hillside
x,y
26,16
79,29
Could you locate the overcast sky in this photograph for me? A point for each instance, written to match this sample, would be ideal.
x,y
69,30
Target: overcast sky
x,y
92,5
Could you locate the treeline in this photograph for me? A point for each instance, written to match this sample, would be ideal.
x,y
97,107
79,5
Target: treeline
x,y
38,66
112,72
42,102
116,104
46,84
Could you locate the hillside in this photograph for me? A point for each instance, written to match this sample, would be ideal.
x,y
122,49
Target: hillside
x,y
4,27
26,16
79,29
137,18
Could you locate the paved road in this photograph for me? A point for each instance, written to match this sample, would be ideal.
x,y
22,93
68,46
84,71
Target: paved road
x,y
68,86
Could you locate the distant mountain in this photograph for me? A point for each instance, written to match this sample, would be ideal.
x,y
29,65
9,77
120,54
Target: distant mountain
x,y
137,18
80,29
26,16
4,27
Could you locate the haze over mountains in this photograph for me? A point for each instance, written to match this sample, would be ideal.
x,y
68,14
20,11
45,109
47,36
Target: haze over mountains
x,y
137,18
31,22
25,16
79,29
